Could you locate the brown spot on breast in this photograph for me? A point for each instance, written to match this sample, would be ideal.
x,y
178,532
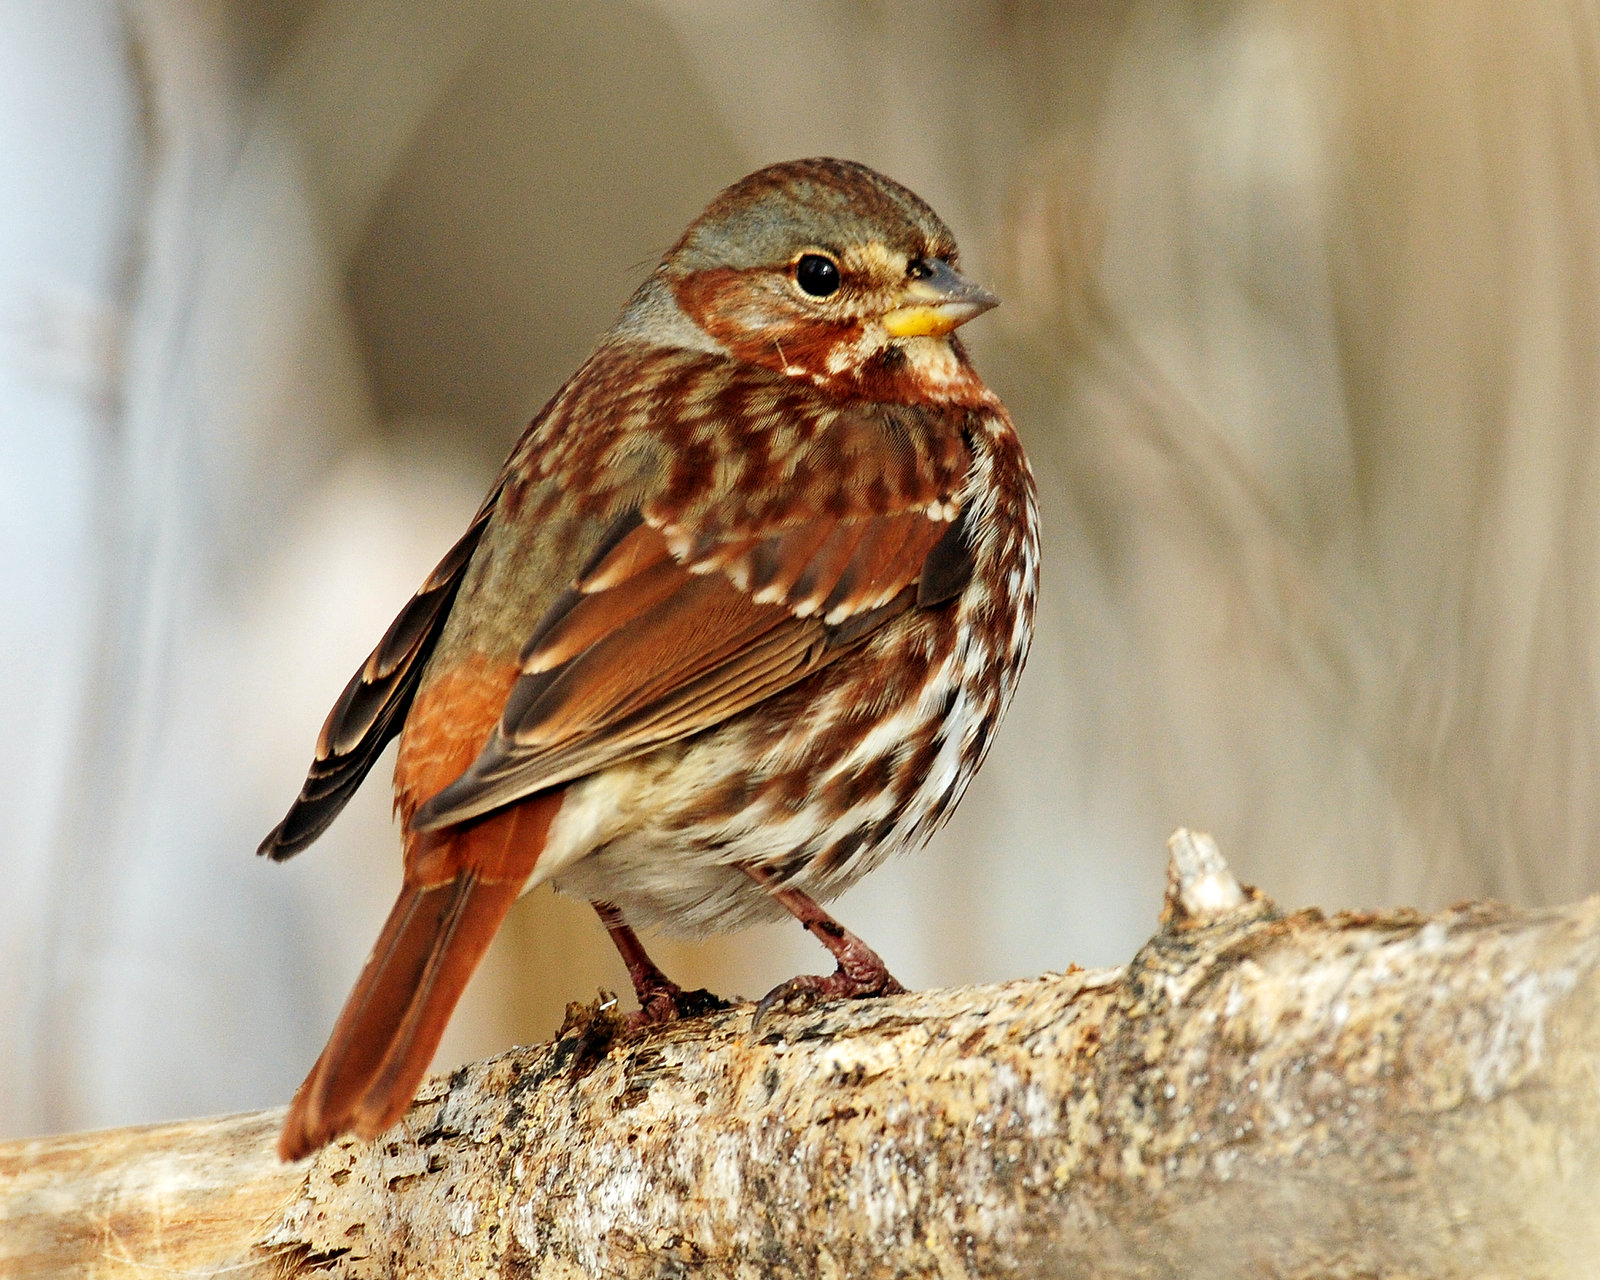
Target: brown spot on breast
x,y
788,790
856,786
914,766
837,854
720,802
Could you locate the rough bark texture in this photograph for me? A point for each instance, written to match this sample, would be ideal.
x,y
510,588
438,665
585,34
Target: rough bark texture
x,y
1256,1094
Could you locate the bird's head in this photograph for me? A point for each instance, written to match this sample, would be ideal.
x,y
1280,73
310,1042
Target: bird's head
x,y
828,271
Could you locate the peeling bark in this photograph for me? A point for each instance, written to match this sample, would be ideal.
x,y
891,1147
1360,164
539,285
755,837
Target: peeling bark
x,y
1256,1094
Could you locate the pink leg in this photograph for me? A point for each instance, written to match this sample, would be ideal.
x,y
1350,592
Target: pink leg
x,y
861,971
660,998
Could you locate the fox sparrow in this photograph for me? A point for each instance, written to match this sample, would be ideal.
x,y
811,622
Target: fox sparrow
x,y
735,623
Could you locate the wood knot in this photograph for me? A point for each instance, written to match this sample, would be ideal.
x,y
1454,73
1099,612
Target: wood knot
x,y
1201,889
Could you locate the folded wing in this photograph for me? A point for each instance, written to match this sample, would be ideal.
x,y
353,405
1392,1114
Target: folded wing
x,y
665,634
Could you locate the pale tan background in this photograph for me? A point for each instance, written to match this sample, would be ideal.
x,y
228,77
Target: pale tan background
x,y
1300,329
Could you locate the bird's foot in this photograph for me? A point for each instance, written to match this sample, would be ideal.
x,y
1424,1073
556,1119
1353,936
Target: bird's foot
x,y
665,1001
661,1000
860,973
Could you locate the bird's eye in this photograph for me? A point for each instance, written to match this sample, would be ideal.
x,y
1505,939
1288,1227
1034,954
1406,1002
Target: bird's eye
x,y
918,269
817,275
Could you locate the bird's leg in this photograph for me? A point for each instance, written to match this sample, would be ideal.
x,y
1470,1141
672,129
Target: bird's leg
x,y
660,998
861,971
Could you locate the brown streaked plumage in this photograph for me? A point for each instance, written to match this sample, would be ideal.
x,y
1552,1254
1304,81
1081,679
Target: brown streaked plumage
x,y
736,622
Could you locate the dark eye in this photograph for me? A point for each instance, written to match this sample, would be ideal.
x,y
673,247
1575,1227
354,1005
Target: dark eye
x,y
918,269
817,275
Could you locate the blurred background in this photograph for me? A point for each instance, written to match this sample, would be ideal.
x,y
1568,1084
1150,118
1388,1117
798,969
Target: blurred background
x,y
1300,329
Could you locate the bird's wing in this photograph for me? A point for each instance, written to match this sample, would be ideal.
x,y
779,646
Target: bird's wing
x,y
373,705
671,628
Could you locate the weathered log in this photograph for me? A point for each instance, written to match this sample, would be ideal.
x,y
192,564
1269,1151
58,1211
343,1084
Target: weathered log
x,y
1256,1094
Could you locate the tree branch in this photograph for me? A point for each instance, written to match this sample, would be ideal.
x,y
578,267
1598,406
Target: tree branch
x,y
1256,1094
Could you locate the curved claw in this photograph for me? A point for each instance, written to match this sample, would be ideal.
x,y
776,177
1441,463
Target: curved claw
x,y
861,970
808,988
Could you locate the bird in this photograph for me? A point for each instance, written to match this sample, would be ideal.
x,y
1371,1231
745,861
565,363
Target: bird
x,y
735,623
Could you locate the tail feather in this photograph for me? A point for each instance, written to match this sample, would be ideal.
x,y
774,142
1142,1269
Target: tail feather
x,y
435,938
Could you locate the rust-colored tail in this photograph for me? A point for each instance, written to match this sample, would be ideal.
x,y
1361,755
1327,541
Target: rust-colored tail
x,y
460,882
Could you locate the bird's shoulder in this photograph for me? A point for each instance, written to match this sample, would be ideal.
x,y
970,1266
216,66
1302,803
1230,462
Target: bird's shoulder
x,y
722,457
695,437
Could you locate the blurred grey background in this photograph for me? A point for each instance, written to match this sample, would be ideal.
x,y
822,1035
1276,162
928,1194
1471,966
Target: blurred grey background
x,y
1300,328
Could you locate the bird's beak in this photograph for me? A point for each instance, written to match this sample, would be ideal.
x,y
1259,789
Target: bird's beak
x,y
937,303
